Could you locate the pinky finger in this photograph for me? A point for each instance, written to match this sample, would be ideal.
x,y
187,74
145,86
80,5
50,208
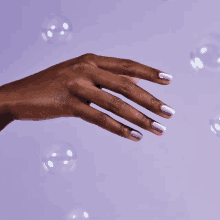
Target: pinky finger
x,y
106,122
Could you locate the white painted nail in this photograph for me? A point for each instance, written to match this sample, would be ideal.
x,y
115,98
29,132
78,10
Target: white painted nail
x,y
167,110
165,76
158,127
136,134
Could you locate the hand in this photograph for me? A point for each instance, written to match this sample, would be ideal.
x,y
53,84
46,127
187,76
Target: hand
x,y
68,88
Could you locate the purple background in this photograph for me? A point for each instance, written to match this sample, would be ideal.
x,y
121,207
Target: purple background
x,y
175,176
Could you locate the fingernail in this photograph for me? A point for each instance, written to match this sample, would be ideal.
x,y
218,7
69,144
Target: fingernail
x,y
136,135
158,127
165,76
167,110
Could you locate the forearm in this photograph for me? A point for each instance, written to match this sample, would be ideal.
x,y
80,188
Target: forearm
x,y
6,117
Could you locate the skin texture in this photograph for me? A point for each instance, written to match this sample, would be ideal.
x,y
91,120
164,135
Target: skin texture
x,y
68,88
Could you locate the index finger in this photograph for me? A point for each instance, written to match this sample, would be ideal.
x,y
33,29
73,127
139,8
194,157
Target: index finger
x,y
130,68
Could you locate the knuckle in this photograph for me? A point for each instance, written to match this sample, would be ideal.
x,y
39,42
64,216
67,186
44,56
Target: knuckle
x,y
81,66
123,131
88,56
81,69
144,120
91,55
140,116
128,64
102,118
79,87
74,86
87,60
116,104
154,101
126,85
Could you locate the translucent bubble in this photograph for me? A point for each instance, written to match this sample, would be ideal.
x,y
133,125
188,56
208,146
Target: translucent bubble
x,y
214,121
206,54
59,158
77,213
56,29
136,80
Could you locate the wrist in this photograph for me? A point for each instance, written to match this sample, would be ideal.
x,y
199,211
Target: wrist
x,y
6,103
8,97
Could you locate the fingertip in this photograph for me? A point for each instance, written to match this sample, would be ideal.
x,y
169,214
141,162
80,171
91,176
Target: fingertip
x,y
136,136
166,77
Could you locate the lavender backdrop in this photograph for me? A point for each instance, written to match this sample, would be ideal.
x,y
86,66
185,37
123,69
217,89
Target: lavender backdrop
x,y
175,176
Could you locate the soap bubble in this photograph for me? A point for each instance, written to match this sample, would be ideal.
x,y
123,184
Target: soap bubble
x,y
77,213
206,54
136,80
59,158
56,29
214,121
215,125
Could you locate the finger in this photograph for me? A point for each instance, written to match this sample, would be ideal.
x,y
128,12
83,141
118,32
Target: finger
x,y
89,102
119,107
106,122
122,85
135,80
129,67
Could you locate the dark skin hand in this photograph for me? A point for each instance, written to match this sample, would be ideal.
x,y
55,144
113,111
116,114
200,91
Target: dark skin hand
x,y
68,88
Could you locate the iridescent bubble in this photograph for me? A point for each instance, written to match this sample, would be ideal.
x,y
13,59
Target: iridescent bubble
x,y
57,29
214,121
59,158
206,54
77,213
